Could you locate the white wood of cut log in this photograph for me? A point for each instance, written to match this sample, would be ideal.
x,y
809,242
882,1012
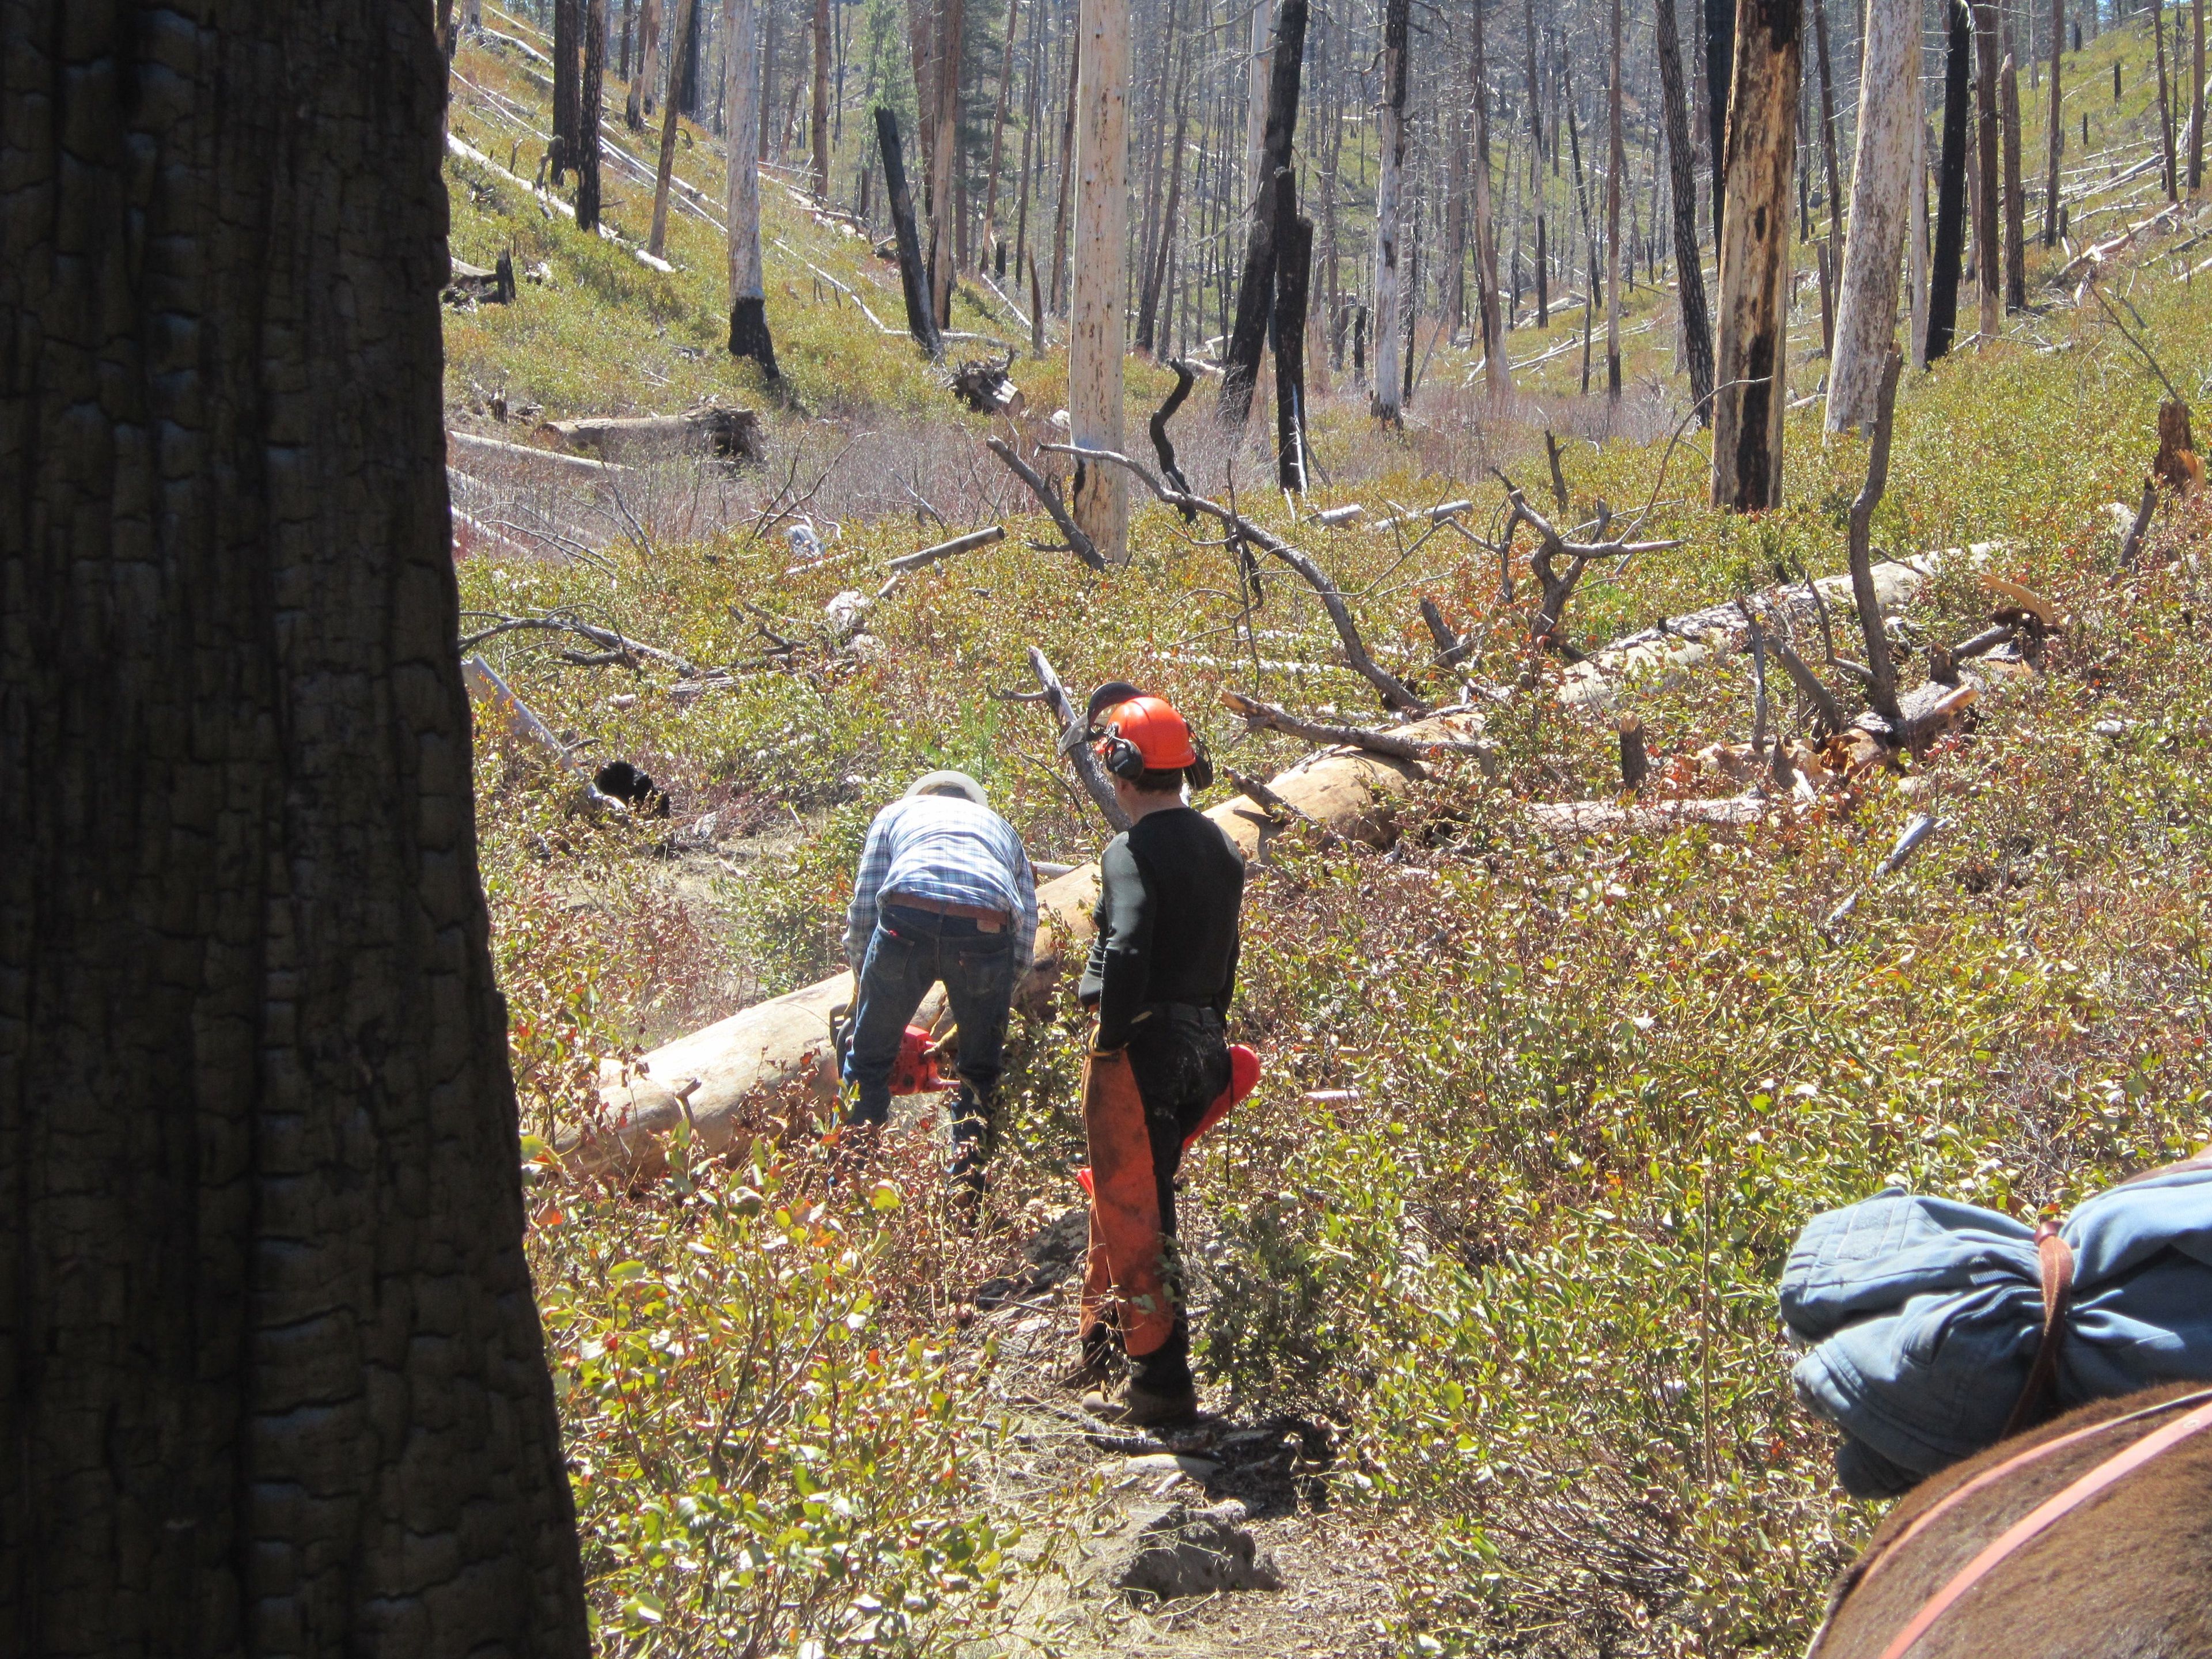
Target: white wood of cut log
x,y
1883,184
1097,324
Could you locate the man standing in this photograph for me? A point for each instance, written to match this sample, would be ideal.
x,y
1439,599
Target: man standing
x,y
945,892
1160,975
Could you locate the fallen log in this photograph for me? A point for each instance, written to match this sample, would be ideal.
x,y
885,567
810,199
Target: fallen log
x,y
1397,745
972,539
494,449
731,433
712,1077
1587,817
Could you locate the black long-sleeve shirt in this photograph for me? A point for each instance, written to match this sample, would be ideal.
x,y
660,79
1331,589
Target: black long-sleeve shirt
x,y
1170,891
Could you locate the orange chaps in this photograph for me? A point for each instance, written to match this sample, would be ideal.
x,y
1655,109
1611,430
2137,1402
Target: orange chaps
x,y
1126,1279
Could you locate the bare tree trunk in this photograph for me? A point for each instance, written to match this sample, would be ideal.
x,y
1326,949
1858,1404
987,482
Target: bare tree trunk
x,y
913,276
991,238
821,98
680,49
2054,140
1697,332
952,14
567,29
1916,236
2172,173
1950,185
1988,246
1754,270
1536,167
639,103
1884,183
768,74
2196,96
587,127
1150,327
1095,338
1067,172
1389,325
2015,209
1497,368
749,332
274,1374
1293,277
1255,283
1720,74
1257,76
1616,160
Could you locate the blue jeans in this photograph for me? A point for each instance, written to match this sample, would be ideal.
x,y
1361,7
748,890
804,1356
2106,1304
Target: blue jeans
x,y
912,951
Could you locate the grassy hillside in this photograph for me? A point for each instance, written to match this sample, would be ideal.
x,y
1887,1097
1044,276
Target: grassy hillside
x,y
1541,1113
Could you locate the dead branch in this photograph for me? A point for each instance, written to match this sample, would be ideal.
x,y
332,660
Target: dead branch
x,y
1452,648
1048,493
622,648
1881,688
1558,477
1276,808
1829,713
2142,347
1163,446
969,543
1267,716
1395,693
2131,543
1922,826
1074,743
1558,589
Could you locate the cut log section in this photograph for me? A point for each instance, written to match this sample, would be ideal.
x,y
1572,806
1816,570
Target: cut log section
x,y
712,1077
731,433
469,446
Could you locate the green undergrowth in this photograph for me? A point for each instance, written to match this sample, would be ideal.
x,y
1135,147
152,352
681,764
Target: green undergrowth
x,y
1540,1115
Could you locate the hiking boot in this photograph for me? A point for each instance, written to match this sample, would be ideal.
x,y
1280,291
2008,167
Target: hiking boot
x,y
1139,1407
1097,1366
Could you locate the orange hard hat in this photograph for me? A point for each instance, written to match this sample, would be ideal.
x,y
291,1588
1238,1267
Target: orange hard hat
x,y
1149,728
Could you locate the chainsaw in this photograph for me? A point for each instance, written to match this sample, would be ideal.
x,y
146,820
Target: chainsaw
x,y
914,1073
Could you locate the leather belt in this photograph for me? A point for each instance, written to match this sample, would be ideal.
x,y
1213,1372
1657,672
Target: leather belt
x,y
989,921
2054,1265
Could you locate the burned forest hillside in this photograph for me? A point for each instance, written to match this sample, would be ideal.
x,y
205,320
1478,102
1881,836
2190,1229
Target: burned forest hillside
x,y
1697,765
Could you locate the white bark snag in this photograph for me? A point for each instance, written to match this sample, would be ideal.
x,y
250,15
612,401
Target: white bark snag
x,y
1496,370
1752,333
1886,188
1257,67
1389,325
749,335
1616,163
1989,238
1097,326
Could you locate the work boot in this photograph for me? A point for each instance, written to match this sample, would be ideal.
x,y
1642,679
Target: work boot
x,y
1141,1407
1099,1364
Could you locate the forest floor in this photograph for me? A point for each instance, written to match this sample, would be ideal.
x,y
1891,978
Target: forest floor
x,y
1485,1268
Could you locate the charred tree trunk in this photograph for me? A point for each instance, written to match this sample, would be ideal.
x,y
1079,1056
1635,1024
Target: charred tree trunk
x,y
686,34
991,238
1750,360
2165,125
748,333
1616,163
1682,189
2196,96
945,140
639,103
2016,227
2055,139
587,129
1096,338
1255,284
1950,186
913,278
1389,323
1497,369
1884,180
1720,75
276,1377
1293,278
1989,243
1536,166
821,97
567,92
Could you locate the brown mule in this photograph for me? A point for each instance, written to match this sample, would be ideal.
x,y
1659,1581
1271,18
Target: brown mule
x,y
2107,1512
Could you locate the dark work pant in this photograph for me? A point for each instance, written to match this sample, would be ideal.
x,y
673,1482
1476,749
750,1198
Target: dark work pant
x,y
912,951
1179,1055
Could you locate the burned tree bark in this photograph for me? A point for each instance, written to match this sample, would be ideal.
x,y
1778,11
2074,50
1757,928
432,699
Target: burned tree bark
x,y
749,332
1616,163
1682,190
1096,327
1255,284
2055,139
920,319
1497,371
1720,74
1989,246
1950,186
2015,228
1293,269
587,129
1883,184
945,138
1754,266
1389,394
276,1376
567,93
821,133
1533,88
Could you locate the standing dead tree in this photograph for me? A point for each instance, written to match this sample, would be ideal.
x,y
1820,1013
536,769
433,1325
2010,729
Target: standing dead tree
x,y
913,278
1682,192
1880,671
1884,184
1389,297
1951,185
1255,284
749,332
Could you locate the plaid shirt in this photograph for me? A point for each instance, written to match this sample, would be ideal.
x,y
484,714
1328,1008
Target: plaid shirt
x,y
949,850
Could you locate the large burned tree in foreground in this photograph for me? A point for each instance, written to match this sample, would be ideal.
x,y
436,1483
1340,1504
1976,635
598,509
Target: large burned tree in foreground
x,y
274,1379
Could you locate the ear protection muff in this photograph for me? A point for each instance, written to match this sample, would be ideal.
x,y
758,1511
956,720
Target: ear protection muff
x,y
1199,774
1121,756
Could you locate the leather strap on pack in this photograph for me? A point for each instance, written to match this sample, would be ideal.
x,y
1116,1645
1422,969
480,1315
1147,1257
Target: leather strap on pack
x,y
1125,1269
2055,1263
